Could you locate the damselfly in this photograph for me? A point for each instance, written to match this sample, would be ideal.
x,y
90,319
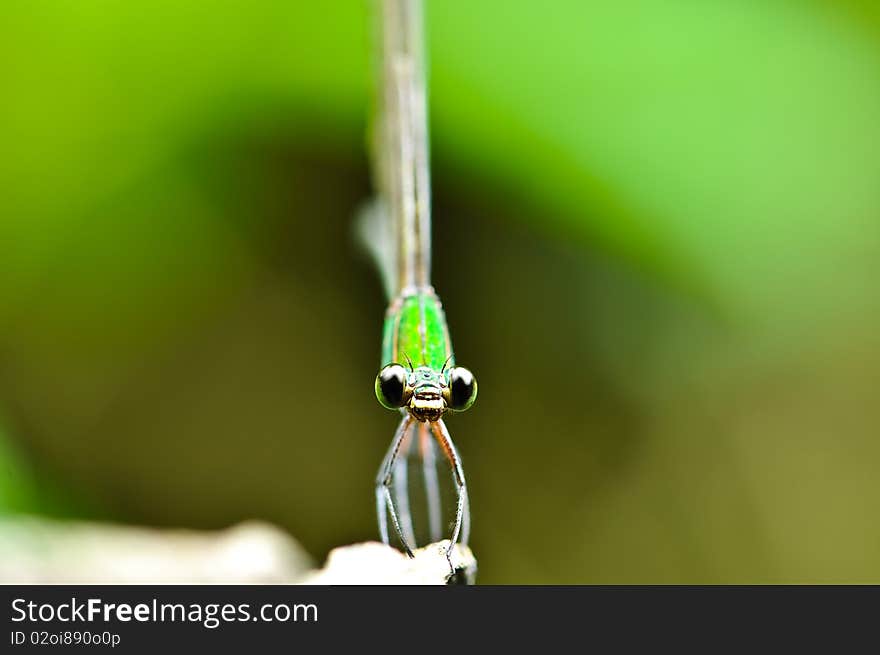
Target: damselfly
x,y
419,376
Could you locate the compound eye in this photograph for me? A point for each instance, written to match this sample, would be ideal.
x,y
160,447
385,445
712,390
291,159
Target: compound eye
x,y
462,389
391,386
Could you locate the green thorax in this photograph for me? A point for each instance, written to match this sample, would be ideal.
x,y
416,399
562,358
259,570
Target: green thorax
x,y
415,327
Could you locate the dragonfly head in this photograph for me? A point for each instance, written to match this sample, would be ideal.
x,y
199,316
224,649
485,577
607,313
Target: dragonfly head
x,y
426,402
426,393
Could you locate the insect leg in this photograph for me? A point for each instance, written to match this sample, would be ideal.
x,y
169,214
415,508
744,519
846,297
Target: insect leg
x,y
384,501
445,441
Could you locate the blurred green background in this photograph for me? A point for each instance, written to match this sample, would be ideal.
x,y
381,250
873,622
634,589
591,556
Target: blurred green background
x,y
657,236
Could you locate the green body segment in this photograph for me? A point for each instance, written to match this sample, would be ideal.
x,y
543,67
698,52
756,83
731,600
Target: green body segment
x,y
415,327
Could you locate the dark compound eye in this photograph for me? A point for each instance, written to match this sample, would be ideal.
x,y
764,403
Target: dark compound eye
x,y
391,386
462,389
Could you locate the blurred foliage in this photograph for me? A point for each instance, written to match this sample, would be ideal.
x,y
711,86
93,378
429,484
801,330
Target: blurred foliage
x,y
657,240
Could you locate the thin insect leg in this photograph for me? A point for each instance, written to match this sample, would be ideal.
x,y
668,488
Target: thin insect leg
x,y
384,501
401,488
432,487
396,522
466,512
445,441
381,503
